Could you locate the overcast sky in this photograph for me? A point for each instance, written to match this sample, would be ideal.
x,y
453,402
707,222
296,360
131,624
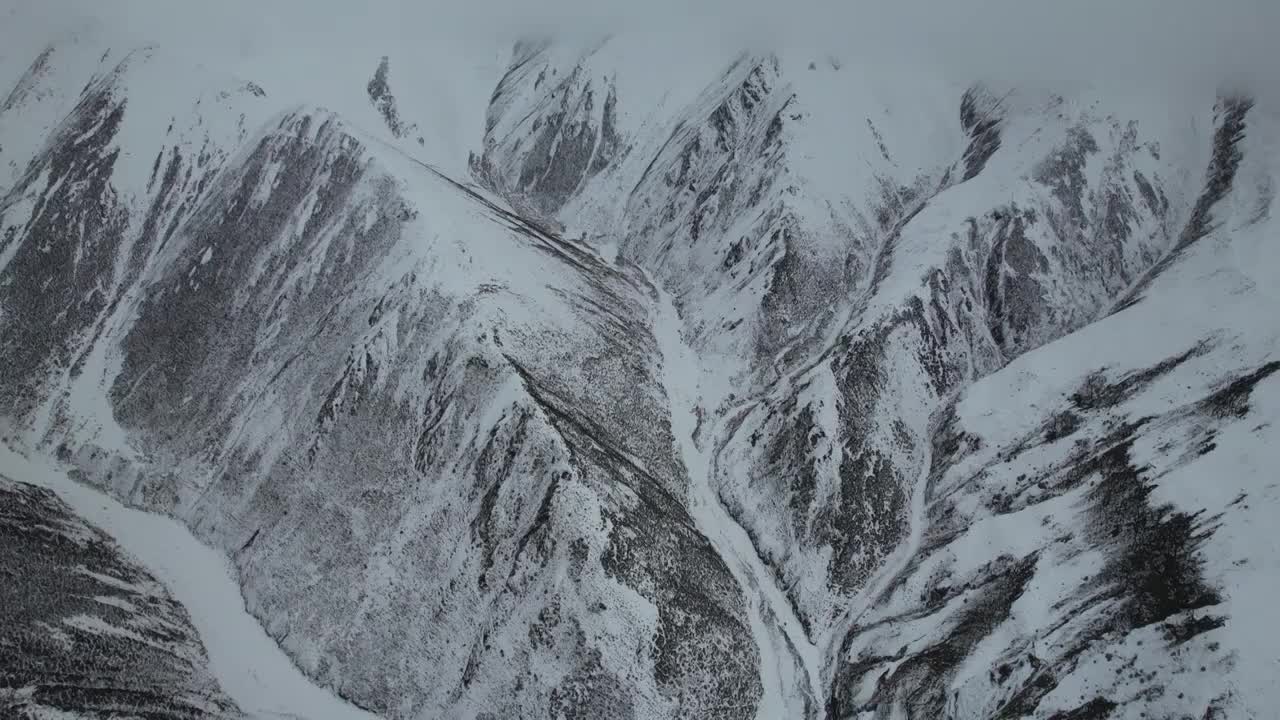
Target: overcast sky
x,y
1165,43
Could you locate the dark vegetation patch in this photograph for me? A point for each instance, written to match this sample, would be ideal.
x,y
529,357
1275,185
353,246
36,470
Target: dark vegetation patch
x,y
1060,425
495,464
922,681
790,456
1154,568
198,326
1232,399
1180,631
703,649
1015,299
1098,708
951,443
43,549
69,243
1099,393
591,691
1153,574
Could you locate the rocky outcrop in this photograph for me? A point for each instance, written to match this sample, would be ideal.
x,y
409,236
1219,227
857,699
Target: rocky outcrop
x,y
840,322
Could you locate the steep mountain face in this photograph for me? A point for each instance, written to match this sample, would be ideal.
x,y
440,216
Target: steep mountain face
x,y
775,388
85,629
1090,509
391,399
551,127
836,324
379,89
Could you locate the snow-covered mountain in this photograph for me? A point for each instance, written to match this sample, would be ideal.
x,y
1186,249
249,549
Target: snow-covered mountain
x,y
738,385
85,628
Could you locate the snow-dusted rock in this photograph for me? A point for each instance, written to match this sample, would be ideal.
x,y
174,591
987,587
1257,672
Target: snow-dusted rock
x,y
837,309
1092,531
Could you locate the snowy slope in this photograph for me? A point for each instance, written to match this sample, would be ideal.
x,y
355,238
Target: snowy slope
x,y
280,307
85,627
1094,537
249,666
840,281
624,383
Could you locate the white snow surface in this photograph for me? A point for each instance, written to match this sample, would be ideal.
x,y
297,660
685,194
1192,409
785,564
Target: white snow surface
x,y
789,664
248,664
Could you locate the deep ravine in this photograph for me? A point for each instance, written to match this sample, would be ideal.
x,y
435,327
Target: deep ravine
x,y
795,669
789,663
832,642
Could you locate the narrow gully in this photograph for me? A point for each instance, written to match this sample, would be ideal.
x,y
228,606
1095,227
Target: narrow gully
x,y
789,662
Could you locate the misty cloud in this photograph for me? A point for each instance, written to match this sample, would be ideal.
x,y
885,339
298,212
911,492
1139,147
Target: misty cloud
x,y
1160,45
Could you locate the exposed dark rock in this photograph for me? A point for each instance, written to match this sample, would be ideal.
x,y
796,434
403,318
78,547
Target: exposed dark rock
x,y
980,118
541,161
384,101
29,82
1063,173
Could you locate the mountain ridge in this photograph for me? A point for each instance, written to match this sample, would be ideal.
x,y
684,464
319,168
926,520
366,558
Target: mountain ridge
x,y
649,418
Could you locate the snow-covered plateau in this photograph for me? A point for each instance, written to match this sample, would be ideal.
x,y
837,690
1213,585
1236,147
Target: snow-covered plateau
x,y
564,377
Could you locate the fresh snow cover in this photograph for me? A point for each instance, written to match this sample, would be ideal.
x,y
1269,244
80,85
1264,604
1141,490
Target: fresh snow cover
x,y
1205,298
251,668
789,691
601,379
